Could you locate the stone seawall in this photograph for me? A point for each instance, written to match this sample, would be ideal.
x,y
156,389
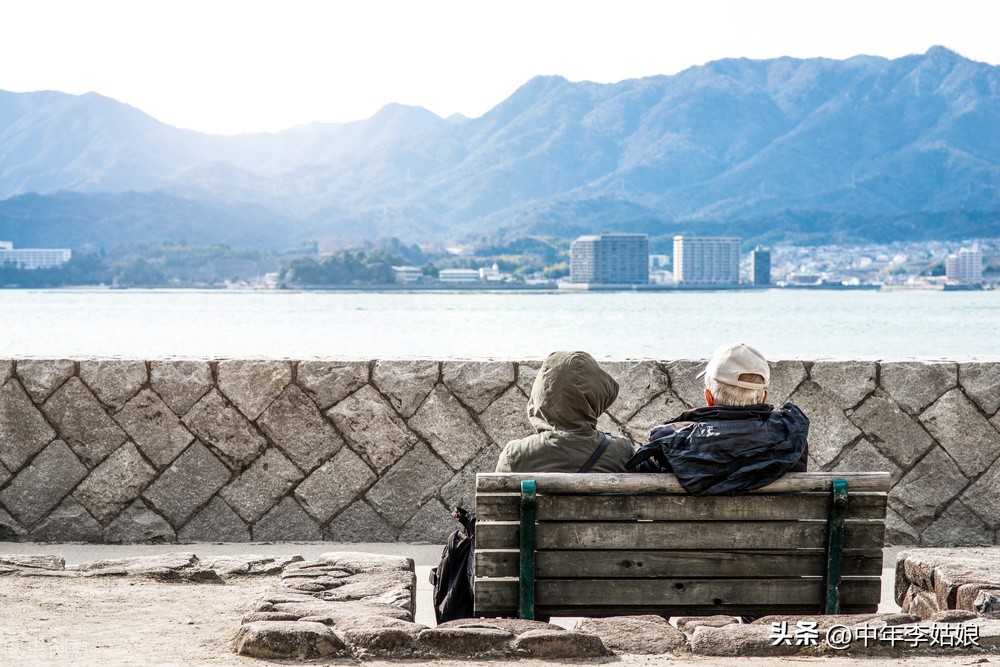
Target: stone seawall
x,y
237,450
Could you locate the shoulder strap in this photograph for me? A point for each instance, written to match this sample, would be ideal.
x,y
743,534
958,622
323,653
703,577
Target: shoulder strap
x,y
596,456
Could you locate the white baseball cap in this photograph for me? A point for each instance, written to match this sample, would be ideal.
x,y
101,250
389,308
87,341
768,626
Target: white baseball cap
x,y
731,361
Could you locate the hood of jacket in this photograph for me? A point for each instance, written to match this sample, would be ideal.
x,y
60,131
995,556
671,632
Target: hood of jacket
x,y
570,392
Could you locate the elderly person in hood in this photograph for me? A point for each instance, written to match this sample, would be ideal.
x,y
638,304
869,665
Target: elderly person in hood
x,y
569,394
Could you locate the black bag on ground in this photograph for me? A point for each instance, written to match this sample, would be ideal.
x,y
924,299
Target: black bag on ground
x,y
453,577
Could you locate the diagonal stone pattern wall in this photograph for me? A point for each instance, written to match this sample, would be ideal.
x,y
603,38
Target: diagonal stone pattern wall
x,y
381,450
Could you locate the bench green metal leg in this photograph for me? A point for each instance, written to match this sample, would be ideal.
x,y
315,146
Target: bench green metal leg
x,y
527,573
835,547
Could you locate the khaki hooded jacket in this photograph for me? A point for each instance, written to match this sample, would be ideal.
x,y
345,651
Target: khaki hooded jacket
x,y
569,394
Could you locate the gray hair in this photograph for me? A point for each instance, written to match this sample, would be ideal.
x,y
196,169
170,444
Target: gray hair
x,y
727,394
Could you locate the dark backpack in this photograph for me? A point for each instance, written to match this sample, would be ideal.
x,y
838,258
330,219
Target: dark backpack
x,y
453,577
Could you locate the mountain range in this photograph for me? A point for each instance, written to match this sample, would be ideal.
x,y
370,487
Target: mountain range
x,y
785,149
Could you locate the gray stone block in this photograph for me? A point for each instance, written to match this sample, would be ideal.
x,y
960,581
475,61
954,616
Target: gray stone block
x,y
741,640
10,529
567,644
69,522
848,379
180,383
983,497
404,489
187,484
251,384
505,419
115,483
987,602
685,383
636,635
864,457
216,522
5,474
6,369
448,428
477,383
896,434
23,430
334,485
916,384
294,423
638,383
329,382
137,524
372,428
830,432
963,432
41,377
957,526
461,490
786,377
360,523
405,383
286,522
298,640
466,642
357,562
43,483
981,382
82,423
113,381
527,371
225,428
931,483
431,525
394,643
663,407
897,531
154,427
262,485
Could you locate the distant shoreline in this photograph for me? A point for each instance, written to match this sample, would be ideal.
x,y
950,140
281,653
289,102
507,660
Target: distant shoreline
x,y
531,289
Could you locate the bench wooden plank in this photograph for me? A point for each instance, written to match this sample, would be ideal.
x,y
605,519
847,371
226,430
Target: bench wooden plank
x,y
506,507
672,535
498,594
633,483
646,564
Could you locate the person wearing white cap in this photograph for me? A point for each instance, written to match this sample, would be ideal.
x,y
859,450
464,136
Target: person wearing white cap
x,y
737,442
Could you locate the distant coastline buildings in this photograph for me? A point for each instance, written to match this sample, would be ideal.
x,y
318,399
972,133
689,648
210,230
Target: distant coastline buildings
x,y
610,259
760,266
964,267
32,258
707,260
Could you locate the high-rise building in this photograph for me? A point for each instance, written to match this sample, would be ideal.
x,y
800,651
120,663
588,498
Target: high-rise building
x,y
32,258
965,267
610,259
706,260
760,266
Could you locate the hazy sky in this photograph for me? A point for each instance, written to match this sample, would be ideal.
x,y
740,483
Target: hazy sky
x,y
230,66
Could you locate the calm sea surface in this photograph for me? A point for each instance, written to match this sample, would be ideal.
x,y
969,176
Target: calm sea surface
x,y
168,323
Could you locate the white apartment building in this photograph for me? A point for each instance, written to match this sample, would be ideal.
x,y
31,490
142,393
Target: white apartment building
x,y
706,260
32,258
458,276
965,267
407,275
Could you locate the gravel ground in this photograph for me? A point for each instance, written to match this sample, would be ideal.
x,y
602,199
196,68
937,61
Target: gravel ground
x,y
114,621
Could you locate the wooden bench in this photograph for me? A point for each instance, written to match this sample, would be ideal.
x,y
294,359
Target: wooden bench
x,y
559,544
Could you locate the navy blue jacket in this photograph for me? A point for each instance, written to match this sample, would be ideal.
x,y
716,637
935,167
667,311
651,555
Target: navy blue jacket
x,y
721,450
